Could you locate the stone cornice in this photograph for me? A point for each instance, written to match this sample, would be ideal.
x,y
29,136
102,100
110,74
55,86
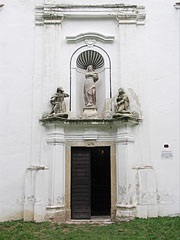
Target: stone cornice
x,y
90,121
54,14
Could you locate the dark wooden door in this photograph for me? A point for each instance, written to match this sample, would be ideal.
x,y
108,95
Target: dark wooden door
x,y
80,183
100,181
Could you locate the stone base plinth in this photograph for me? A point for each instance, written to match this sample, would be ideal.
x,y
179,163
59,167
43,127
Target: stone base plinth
x,y
89,112
55,214
122,114
57,115
125,212
126,115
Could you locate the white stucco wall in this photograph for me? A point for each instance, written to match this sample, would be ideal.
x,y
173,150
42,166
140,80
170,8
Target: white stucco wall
x,y
164,110
148,63
16,75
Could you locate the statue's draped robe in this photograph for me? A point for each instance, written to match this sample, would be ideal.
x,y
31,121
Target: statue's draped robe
x,y
90,89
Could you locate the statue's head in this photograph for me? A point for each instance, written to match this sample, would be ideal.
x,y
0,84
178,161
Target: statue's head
x,y
121,91
90,68
60,89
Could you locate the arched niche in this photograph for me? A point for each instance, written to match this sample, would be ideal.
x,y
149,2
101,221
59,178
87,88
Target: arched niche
x,y
80,59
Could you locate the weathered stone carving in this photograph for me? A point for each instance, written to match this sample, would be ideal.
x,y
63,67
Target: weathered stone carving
x,y
91,78
58,104
57,100
121,107
89,87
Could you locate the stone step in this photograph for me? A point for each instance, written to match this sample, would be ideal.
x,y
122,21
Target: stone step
x,y
101,220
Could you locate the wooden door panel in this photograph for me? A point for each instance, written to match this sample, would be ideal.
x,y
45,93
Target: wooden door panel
x,y
80,183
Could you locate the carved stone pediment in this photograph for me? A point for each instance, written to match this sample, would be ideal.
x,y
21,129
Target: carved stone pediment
x,y
90,38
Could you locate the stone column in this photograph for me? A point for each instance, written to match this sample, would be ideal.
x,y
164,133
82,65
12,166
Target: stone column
x,y
125,176
56,193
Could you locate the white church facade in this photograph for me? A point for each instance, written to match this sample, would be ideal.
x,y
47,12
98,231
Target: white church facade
x,y
90,109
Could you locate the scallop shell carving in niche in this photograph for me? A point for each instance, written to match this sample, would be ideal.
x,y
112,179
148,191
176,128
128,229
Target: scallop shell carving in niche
x,y
90,57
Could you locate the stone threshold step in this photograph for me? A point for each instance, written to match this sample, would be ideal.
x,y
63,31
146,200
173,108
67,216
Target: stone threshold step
x,y
93,220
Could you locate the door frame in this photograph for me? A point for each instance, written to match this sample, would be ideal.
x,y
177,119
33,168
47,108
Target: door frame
x,y
88,144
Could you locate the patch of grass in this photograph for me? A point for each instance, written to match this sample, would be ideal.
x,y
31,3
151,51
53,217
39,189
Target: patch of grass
x,y
162,228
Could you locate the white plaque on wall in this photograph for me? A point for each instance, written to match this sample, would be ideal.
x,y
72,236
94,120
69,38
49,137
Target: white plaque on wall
x,y
166,154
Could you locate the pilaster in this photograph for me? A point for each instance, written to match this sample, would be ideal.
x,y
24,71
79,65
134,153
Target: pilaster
x,y
125,177
146,192
36,182
29,195
41,193
56,194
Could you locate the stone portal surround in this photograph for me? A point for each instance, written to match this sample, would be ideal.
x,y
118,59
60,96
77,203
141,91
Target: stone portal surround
x,y
91,143
47,190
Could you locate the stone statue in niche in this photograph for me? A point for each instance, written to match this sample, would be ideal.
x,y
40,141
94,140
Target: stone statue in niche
x,y
91,78
58,104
